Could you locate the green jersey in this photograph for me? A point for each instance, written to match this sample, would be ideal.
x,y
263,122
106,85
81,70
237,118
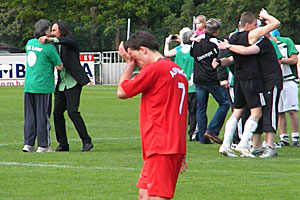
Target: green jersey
x,y
277,51
40,62
186,62
287,48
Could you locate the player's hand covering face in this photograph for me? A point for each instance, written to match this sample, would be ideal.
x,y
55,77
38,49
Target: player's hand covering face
x,y
125,55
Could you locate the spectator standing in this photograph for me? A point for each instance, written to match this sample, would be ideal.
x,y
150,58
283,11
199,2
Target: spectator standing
x,y
39,84
207,82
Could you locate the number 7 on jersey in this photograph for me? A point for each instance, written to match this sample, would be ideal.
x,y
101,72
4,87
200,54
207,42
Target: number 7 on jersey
x,y
181,86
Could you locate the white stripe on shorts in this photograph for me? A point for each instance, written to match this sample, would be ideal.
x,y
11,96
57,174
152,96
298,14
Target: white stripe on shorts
x,y
262,99
274,119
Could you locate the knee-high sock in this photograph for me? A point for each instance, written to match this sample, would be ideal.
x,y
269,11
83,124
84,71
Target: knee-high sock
x,y
230,128
249,128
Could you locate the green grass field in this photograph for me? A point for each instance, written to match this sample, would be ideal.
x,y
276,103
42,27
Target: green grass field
x,y
111,169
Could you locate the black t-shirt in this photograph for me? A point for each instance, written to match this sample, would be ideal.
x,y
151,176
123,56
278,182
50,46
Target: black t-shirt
x,y
203,53
246,66
269,66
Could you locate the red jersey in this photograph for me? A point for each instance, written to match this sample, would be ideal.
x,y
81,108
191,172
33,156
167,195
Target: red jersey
x,y
163,110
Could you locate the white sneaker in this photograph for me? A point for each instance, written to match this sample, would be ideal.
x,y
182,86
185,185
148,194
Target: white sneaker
x,y
233,146
250,143
45,150
226,151
28,148
256,151
269,152
244,151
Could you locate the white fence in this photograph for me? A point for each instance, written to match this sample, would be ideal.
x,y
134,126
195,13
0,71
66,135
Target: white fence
x,y
111,67
102,68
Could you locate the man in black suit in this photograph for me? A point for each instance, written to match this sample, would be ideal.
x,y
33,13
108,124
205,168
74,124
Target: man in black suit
x,y
69,86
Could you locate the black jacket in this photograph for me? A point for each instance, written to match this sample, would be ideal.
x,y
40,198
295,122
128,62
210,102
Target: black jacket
x,y
204,52
69,54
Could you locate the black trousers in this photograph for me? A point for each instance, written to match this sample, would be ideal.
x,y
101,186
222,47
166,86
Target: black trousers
x,y
36,123
69,100
192,108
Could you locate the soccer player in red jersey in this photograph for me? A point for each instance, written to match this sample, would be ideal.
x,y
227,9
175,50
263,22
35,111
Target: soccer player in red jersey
x,y
163,113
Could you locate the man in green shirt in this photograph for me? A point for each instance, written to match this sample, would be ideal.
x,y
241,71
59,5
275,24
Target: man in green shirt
x,y
288,102
39,84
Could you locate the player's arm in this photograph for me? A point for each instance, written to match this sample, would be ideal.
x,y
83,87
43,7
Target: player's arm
x,y
239,49
127,71
222,76
273,23
44,39
67,41
223,62
292,60
298,69
59,67
167,51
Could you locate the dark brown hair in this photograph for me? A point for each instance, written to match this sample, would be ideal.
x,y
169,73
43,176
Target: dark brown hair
x,y
142,38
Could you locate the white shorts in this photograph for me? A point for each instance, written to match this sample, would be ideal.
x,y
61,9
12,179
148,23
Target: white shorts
x,y
289,97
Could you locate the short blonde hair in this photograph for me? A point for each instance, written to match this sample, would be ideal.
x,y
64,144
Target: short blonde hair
x,y
200,19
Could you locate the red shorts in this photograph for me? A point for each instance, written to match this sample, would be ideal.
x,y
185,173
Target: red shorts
x,y
159,174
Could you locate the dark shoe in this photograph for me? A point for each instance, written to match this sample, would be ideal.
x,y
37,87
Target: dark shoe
x,y
62,148
190,137
213,137
296,144
194,137
284,143
207,141
86,147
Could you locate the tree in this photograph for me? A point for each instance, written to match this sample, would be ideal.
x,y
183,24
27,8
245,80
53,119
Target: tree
x,y
17,20
99,25
288,12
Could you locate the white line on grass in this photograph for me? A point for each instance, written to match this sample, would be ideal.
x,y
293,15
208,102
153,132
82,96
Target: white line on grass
x,y
243,172
135,169
125,138
103,88
75,140
65,166
7,144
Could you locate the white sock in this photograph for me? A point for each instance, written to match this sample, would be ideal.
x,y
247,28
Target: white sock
x,y
240,128
295,137
264,144
250,143
230,128
250,126
284,137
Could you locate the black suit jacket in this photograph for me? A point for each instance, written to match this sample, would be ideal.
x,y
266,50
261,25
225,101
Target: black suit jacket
x,y
69,54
